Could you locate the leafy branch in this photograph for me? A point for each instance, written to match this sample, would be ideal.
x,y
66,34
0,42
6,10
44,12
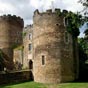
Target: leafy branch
x,y
74,22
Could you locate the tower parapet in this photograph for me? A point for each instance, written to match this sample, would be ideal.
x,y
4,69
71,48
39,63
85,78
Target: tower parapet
x,y
12,19
11,28
49,12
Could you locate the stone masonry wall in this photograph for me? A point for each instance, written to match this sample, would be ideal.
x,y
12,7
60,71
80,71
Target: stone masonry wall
x,y
27,39
15,77
18,58
10,34
49,42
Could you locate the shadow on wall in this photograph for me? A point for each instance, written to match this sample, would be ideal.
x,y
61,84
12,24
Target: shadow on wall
x,y
18,65
31,76
4,61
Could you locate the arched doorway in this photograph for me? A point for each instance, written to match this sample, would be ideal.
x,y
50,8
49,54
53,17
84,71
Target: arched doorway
x,y
30,64
31,67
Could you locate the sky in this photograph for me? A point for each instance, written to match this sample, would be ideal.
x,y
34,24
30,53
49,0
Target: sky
x,y
25,8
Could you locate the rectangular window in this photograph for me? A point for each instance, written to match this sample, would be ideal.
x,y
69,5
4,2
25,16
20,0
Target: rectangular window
x,y
30,47
30,36
43,60
65,21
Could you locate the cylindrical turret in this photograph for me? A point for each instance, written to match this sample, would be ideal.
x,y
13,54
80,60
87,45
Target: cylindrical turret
x,y
52,48
10,35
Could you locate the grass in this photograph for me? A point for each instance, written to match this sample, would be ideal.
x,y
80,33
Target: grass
x,y
40,85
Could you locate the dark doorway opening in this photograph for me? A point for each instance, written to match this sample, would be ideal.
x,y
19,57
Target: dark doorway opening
x,y
30,64
30,68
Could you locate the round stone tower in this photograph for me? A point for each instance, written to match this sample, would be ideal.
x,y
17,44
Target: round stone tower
x,y
11,28
52,48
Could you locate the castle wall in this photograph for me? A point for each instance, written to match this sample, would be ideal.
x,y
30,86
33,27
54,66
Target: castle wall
x,y
50,45
27,39
18,57
10,34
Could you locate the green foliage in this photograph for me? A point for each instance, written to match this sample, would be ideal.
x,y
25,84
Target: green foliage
x,y
58,13
40,85
19,48
86,32
85,19
83,58
83,48
15,45
85,9
74,22
24,34
85,4
82,44
25,85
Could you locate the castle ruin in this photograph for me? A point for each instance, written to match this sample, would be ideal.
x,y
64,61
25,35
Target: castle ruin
x,y
48,49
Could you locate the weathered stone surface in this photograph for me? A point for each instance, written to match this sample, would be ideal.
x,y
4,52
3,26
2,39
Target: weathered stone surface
x,y
18,58
51,59
11,28
27,54
15,76
49,41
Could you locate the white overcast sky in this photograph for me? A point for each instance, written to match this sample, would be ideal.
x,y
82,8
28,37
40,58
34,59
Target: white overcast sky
x,y
25,8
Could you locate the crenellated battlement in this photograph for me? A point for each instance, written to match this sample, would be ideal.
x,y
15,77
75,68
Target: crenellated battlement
x,y
12,19
53,48
50,12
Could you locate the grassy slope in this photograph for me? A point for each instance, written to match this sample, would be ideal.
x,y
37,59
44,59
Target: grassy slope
x,y
39,85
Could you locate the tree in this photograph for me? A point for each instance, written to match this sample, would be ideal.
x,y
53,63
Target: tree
x,y
85,4
86,33
74,22
85,10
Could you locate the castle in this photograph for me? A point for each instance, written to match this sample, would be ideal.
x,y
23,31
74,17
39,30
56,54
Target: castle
x,y
46,47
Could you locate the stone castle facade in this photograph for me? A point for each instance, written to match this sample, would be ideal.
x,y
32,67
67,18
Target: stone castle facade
x,y
47,47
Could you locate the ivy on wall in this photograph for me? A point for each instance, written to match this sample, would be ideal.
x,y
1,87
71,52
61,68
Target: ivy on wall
x,y
74,22
24,34
14,46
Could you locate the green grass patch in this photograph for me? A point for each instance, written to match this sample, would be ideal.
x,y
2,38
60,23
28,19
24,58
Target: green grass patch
x,y
40,85
73,85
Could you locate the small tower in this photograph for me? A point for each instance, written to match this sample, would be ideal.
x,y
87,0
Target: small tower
x,y
52,48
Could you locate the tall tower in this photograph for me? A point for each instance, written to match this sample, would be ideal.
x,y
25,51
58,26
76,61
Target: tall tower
x,y
52,48
11,28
